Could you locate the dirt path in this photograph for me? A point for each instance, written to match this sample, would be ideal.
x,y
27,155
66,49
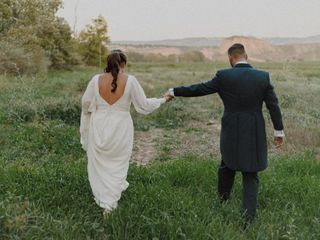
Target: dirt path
x,y
144,150
201,139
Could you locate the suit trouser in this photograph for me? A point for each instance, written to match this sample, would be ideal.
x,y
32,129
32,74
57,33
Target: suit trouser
x,y
250,184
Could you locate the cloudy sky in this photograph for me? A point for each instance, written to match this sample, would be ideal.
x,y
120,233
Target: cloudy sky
x,y
168,19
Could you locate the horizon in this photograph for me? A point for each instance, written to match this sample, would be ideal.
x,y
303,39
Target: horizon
x,y
137,21
222,37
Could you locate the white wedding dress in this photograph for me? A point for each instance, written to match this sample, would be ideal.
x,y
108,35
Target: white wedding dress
x,y
107,137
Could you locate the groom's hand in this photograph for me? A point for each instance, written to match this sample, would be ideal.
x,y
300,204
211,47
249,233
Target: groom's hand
x,y
278,141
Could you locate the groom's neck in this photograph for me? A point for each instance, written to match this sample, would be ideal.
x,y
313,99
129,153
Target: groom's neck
x,y
241,60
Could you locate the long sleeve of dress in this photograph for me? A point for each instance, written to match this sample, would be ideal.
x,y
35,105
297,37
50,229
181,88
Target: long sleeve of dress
x,y
141,103
86,102
87,97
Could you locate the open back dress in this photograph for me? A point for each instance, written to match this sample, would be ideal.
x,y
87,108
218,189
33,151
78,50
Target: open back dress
x,y
107,137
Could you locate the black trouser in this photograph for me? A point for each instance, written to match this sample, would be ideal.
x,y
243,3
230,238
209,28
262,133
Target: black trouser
x,y
250,184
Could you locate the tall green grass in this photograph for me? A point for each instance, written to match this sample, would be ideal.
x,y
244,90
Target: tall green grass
x,y
44,191
171,200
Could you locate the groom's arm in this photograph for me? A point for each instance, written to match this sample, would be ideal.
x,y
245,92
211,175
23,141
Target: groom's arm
x,y
197,90
272,104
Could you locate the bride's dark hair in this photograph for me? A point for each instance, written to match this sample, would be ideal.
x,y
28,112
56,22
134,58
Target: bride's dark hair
x,y
114,61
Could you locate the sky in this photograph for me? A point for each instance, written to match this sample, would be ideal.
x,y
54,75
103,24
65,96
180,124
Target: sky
x,y
144,20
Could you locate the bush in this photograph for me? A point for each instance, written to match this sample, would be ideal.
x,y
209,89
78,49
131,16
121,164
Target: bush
x,y
18,59
64,109
135,57
67,110
194,56
190,56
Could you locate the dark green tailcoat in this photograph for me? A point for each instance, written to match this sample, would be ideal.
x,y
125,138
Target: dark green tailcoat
x,y
243,90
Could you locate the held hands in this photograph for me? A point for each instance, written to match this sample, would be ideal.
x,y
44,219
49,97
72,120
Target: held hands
x,y
168,97
278,141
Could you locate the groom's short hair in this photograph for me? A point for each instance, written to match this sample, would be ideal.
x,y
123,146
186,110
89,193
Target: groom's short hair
x,y
236,49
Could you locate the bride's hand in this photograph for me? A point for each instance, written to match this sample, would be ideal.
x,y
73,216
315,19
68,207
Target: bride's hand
x,y
168,97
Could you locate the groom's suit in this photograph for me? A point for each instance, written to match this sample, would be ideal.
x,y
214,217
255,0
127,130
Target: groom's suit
x,y
243,143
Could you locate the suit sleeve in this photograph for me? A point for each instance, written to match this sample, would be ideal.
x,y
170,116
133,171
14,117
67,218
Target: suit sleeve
x,y
272,104
200,89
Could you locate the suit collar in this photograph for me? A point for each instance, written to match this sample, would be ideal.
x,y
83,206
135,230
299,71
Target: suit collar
x,y
242,65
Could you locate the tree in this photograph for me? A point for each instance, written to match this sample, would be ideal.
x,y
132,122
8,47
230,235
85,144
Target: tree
x,y
58,43
31,28
93,42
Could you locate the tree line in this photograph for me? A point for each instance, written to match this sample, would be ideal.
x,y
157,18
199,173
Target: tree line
x,y
33,39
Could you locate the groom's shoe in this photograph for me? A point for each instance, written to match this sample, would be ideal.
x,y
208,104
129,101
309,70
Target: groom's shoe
x,y
224,197
248,219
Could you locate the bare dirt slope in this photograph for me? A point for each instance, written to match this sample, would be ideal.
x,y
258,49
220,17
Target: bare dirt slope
x,y
258,50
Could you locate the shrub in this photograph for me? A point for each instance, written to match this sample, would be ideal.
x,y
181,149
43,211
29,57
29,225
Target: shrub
x,y
33,37
18,59
193,56
64,109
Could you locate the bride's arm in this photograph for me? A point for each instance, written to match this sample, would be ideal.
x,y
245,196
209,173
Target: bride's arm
x,y
86,100
141,103
87,97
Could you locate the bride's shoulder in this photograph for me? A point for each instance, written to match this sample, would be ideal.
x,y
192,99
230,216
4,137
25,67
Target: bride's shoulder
x,y
95,77
93,81
131,78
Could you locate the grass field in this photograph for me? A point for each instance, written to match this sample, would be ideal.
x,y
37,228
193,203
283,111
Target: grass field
x,y
45,194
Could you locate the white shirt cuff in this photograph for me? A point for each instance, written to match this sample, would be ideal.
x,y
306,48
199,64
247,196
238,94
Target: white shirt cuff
x,y
171,92
279,133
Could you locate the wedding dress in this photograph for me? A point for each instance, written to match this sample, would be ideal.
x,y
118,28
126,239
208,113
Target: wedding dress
x,y
107,137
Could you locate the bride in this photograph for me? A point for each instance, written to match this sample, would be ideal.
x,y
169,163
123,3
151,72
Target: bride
x,y
107,130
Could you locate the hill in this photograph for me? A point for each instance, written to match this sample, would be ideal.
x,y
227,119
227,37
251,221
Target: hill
x,y
184,42
258,49
286,41
215,41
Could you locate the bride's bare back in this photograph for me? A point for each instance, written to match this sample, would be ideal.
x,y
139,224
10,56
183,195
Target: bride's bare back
x,y
105,87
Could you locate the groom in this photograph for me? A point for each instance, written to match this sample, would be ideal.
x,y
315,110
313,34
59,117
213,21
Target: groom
x,y
243,144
